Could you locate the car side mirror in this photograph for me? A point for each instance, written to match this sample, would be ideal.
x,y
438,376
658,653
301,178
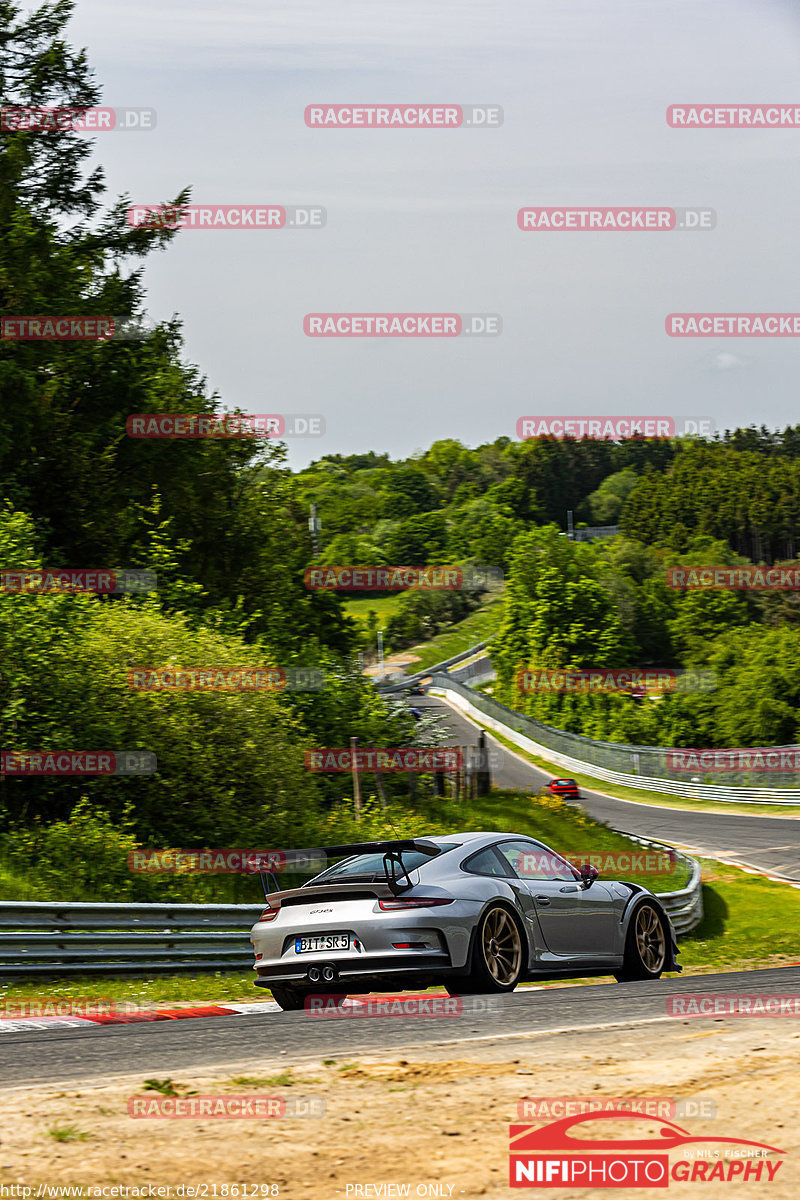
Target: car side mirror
x,y
588,875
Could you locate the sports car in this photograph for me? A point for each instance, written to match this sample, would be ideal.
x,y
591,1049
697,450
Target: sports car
x,y
564,787
474,912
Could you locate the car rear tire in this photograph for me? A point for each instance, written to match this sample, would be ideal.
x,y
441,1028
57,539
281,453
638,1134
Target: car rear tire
x,y
460,985
288,998
498,956
645,946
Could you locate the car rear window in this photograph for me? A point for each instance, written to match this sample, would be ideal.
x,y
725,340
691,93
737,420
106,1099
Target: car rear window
x,y
368,868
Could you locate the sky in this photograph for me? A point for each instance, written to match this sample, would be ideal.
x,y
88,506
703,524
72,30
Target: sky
x,y
425,221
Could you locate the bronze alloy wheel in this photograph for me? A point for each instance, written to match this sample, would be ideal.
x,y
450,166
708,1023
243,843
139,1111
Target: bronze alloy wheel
x,y
650,940
501,946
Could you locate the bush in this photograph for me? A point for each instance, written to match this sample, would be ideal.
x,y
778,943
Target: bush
x,y
82,858
230,765
86,858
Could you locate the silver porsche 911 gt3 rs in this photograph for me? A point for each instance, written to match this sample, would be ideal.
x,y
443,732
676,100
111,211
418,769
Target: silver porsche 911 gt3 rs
x,y
476,912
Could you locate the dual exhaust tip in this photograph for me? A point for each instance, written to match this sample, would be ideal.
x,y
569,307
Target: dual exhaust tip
x,y
327,974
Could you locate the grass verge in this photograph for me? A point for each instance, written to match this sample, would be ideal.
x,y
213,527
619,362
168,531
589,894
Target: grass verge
x,y
748,921
383,607
481,624
145,991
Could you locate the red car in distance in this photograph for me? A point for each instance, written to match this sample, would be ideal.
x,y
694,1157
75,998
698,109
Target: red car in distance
x,y
564,787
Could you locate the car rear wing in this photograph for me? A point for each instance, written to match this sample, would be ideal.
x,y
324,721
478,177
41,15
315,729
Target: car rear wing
x,y
396,873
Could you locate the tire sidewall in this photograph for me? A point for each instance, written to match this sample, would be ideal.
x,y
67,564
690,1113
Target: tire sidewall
x,y
633,967
480,977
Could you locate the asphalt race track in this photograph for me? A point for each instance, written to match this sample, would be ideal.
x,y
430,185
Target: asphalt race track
x,y
59,1055
770,844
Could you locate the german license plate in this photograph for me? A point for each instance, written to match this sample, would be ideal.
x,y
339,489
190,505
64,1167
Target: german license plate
x,y
322,941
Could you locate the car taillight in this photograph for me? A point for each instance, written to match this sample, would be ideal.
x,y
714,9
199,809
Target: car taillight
x,y
269,914
413,902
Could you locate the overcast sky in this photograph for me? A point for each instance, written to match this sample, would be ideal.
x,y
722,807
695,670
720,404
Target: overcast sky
x,y
425,221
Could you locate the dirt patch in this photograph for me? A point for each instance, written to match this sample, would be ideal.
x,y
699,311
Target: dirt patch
x,y
393,663
439,1072
425,1121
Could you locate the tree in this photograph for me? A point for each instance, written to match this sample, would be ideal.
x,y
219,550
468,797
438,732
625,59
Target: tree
x,y
65,456
409,492
605,504
419,540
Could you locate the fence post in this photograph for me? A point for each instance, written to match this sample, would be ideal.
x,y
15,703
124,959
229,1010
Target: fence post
x,y
484,774
379,787
356,779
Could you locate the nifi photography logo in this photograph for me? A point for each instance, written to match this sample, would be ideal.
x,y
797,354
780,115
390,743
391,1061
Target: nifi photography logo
x,y
559,1154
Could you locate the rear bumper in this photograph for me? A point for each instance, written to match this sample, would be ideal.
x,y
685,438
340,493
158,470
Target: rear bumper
x,y
358,970
380,941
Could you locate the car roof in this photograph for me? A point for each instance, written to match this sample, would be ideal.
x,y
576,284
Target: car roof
x,y
483,835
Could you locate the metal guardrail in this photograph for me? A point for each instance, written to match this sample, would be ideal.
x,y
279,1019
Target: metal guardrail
x,y
38,938
592,532
602,760
474,673
685,906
